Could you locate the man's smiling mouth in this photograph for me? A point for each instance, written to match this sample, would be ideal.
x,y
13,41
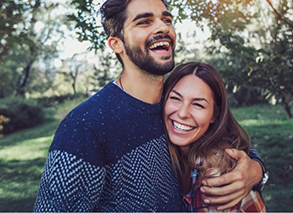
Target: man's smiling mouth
x,y
162,45
182,127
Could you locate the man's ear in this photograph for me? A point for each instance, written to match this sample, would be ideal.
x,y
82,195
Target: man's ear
x,y
115,44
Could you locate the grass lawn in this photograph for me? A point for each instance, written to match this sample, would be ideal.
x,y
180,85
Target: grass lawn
x,y
271,135
22,158
23,155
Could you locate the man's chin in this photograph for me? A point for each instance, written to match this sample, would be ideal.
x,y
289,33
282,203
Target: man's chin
x,y
160,69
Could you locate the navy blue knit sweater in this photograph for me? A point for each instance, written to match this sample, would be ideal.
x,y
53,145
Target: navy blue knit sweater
x,y
110,154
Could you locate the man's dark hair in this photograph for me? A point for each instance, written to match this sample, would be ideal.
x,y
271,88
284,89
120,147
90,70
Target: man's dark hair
x,y
113,17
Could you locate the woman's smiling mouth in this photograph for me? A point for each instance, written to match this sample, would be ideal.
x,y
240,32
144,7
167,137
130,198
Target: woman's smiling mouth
x,y
181,127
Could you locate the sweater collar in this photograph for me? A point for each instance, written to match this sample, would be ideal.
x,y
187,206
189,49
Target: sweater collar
x,y
142,106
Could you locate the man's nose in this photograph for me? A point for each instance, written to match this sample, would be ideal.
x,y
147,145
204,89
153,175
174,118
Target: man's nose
x,y
161,27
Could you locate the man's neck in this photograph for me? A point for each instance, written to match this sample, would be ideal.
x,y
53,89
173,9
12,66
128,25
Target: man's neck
x,y
143,86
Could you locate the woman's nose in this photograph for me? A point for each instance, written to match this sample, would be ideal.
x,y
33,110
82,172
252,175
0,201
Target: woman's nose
x,y
183,111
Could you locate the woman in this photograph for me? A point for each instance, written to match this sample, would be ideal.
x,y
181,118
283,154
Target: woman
x,y
200,126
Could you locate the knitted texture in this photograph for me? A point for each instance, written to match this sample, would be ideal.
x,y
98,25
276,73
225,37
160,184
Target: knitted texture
x,y
110,154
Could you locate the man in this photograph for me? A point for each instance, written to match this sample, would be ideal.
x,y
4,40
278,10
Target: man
x,y
110,152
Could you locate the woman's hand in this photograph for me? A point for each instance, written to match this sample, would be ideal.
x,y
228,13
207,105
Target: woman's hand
x,y
227,190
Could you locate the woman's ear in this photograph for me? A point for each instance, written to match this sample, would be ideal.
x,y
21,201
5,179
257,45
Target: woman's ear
x,y
215,115
213,119
115,44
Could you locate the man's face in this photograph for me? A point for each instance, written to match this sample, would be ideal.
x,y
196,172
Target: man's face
x,y
149,36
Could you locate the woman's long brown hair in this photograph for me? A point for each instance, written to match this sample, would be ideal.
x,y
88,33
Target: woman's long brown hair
x,y
224,132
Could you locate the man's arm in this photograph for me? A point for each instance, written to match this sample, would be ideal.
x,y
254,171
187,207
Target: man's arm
x,y
71,182
227,190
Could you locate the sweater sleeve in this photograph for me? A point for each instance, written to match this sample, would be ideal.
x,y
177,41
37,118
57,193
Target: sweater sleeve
x,y
253,154
74,175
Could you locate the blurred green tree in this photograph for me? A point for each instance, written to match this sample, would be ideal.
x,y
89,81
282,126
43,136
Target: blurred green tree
x,y
10,16
102,71
254,37
72,68
30,43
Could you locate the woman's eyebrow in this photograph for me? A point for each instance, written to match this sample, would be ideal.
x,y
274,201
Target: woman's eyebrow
x,y
194,99
200,99
177,93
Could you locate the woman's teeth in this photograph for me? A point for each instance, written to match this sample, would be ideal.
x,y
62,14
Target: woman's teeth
x,y
181,127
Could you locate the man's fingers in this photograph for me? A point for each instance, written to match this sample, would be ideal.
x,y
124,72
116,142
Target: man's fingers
x,y
218,191
222,202
220,180
234,153
230,204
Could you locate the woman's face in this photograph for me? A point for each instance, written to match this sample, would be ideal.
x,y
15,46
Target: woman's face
x,y
188,111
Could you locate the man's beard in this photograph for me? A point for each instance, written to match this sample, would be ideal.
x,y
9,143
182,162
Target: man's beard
x,y
145,62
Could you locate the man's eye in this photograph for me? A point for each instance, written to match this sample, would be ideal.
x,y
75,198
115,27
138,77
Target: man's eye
x,y
143,22
169,21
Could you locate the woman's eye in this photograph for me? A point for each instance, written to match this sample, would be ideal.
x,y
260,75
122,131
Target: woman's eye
x,y
198,105
174,98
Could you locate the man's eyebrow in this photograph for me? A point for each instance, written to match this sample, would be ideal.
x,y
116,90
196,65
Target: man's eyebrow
x,y
166,13
143,15
146,15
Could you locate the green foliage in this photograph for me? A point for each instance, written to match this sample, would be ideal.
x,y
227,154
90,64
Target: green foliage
x,y
10,16
85,22
31,32
102,71
267,65
55,100
3,120
67,105
21,114
244,96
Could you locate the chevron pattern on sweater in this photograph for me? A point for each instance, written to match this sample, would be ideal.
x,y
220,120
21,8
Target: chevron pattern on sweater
x,y
67,177
140,179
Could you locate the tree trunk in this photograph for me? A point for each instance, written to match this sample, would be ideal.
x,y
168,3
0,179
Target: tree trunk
x,y
20,91
73,87
288,110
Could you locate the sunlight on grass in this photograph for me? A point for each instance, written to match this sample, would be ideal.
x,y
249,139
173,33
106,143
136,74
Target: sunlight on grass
x,y
18,189
256,122
27,150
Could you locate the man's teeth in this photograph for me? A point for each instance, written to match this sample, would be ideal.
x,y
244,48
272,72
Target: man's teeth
x,y
155,45
181,127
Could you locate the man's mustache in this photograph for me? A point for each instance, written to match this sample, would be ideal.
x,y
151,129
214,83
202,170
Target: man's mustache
x,y
158,37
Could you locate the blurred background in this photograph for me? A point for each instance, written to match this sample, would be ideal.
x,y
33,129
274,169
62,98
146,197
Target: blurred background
x,y
53,56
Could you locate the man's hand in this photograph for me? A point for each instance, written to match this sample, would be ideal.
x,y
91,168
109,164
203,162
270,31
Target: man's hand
x,y
227,190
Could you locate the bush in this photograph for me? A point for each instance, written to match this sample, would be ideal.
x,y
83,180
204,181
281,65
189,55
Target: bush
x,y
65,107
244,96
55,100
21,114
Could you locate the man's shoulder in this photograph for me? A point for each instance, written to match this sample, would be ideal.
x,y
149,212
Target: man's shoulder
x,y
93,105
